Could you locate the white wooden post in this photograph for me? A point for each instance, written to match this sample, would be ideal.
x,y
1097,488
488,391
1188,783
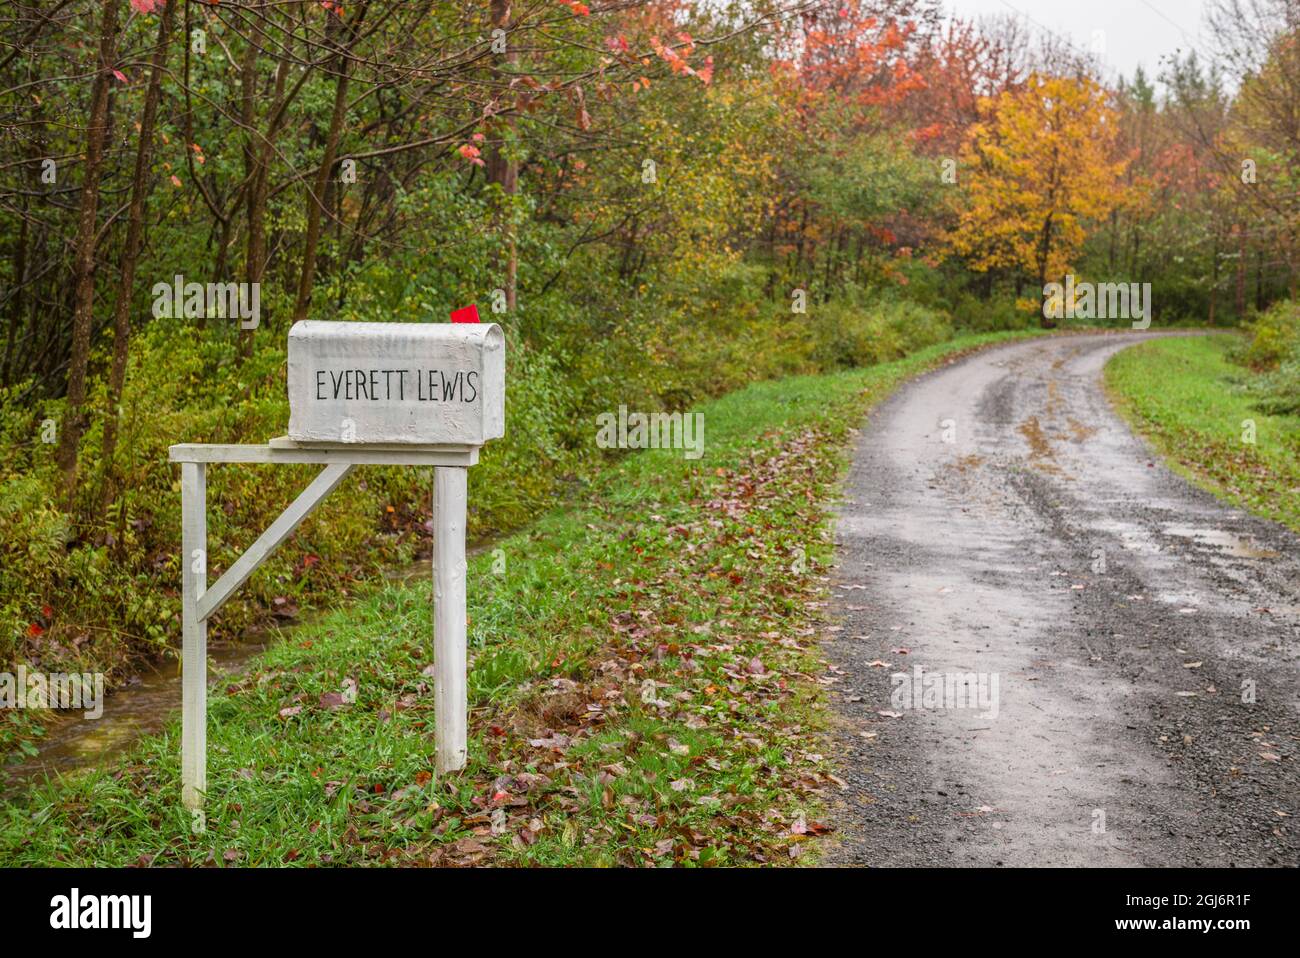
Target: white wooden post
x,y
194,653
449,624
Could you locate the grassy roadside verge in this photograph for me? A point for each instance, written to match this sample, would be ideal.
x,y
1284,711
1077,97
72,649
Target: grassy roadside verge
x,y
641,684
1186,397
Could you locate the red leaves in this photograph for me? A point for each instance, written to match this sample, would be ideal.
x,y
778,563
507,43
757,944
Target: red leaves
x,y
677,60
471,152
859,57
579,9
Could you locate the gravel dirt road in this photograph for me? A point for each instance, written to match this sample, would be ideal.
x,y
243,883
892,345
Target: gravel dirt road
x,y
1001,520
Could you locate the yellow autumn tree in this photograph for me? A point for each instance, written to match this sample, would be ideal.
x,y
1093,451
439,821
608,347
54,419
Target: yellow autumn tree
x,y
1041,168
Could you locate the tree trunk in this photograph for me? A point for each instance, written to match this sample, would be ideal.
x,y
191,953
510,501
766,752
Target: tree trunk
x,y
1044,252
259,166
1214,278
504,172
16,304
316,194
1241,273
140,186
84,264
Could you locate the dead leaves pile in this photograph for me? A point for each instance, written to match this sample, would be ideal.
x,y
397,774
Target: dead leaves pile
x,y
681,741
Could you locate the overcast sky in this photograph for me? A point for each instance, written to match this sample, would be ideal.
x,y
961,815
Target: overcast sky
x,y
1134,31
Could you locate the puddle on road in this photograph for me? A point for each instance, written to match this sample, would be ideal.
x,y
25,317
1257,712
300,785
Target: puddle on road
x,y
1229,543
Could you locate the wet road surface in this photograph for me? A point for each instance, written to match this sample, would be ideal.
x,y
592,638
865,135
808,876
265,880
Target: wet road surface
x,y
1001,524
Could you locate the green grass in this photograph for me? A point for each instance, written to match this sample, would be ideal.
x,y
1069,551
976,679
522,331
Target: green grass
x,y
1189,399
642,684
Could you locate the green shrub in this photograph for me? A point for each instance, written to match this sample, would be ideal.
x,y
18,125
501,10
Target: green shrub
x,y
972,314
1275,336
847,335
1274,351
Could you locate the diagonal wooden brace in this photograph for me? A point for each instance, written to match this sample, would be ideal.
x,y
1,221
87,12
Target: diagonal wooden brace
x,y
221,590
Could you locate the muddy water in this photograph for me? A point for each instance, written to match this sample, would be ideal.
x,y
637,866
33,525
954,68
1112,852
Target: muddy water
x,y
1228,542
143,705
149,700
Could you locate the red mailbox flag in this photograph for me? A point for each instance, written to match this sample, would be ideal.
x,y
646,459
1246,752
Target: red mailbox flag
x,y
466,314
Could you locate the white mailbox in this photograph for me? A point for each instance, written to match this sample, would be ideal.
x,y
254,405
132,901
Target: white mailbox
x,y
396,383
